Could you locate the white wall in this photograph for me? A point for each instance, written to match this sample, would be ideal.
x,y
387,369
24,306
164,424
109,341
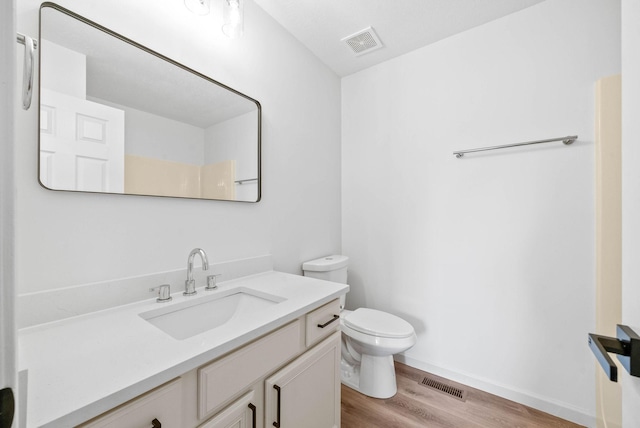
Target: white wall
x,y
70,238
233,139
630,192
490,257
8,105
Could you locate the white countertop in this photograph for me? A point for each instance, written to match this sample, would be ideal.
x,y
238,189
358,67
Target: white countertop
x,y
83,366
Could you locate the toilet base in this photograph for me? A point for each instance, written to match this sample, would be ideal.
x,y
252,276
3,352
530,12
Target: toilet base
x,y
374,376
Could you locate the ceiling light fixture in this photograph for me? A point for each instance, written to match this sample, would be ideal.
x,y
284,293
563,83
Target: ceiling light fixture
x,y
233,16
199,7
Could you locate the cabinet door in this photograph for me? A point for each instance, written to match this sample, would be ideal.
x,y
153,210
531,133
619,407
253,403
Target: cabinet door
x,y
223,380
306,393
240,414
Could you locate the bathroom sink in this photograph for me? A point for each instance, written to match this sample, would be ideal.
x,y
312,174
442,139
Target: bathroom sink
x,y
186,319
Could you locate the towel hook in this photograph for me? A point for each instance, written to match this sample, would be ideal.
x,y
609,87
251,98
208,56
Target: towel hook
x,y
28,69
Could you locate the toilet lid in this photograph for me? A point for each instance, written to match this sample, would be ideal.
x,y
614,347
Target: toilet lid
x,y
378,323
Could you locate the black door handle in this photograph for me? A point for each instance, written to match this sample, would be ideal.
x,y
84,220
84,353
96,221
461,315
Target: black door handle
x,y
626,345
601,346
7,407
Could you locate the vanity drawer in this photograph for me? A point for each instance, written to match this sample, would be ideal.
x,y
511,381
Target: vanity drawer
x,y
162,405
323,321
225,378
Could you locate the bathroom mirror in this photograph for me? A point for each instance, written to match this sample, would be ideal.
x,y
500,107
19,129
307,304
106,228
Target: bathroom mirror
x,y
117,117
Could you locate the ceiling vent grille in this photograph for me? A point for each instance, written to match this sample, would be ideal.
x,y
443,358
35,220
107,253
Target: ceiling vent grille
x,y
363,41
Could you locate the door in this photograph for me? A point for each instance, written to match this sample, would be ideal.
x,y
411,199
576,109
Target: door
x,y
81,144
630,17
608,173
306,393
8,107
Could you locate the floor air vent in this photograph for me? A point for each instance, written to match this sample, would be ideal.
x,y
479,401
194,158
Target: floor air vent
x,y
452,391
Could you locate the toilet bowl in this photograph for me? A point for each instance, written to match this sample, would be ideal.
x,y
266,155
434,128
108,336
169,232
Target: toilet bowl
x,y
370,337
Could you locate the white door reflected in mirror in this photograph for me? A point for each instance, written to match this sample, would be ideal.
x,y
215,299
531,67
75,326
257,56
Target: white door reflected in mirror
x,y
81,144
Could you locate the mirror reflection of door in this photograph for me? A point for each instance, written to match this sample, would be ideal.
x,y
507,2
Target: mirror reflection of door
x,y
82,144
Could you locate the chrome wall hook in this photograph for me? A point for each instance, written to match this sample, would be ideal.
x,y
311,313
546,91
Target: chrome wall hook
x,y
28,70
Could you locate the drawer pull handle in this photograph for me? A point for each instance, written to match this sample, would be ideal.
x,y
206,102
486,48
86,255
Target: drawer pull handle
x,y
277,422
335,317
156,423
253,415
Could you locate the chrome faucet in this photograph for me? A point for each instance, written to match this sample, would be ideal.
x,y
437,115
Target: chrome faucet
x,y
190,283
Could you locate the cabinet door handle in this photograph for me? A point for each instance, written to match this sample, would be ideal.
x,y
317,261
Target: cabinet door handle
x,y
277,422
335,317
155,423
253,415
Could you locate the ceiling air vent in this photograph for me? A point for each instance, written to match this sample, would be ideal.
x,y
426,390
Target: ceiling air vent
x,y
363,41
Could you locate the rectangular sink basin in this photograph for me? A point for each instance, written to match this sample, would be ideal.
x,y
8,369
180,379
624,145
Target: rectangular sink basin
x,y
201,314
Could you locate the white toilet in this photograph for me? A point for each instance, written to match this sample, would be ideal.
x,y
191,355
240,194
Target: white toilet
x,y
370,338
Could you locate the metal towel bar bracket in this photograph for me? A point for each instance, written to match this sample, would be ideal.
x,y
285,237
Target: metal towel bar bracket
x,y
566,140
28,70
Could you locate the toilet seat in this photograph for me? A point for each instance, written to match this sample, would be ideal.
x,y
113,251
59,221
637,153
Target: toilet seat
x,y
378,323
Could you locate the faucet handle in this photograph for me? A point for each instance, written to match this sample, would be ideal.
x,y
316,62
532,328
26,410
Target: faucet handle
x,y
211,281
164,293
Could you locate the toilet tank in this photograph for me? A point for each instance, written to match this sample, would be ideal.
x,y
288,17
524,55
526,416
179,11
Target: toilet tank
x,y
330,268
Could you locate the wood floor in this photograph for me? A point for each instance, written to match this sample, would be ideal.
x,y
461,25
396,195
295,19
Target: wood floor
x,y
416,405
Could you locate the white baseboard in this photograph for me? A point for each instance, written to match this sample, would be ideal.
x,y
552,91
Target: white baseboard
x,y
559,409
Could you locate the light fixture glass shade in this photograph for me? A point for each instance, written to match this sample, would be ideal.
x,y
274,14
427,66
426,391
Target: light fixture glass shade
x,y
233,16
199,7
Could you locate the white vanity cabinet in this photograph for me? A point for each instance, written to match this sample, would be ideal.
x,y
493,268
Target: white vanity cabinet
x,y
306,393
238,390
303,392
243,371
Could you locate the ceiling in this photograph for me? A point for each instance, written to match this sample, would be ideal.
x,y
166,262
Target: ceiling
x,y
127,76
401,25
